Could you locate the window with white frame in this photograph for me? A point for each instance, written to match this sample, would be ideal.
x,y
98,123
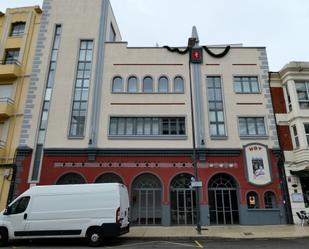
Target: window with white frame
x,y
289,103
246,84
179,85
81,90
147,126
215,106
252,126
132,85
148,85
117,86
306,126
295,135
302,89
163,85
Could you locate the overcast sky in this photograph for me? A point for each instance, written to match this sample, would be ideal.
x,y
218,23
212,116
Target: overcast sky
x,y
280,25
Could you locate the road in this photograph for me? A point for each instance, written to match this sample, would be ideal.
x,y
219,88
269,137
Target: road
x,y
122,243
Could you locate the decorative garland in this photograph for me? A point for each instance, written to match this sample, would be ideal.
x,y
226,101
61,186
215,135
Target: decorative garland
x,y
224,53
220,55
177,50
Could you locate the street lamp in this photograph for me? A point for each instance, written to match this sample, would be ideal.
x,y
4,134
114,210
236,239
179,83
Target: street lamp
x,y
191,43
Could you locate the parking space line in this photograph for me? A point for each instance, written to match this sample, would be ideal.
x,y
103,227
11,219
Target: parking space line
x,y
180,244
198,244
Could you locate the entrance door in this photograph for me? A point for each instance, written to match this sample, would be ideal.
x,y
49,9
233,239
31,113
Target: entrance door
x,y
223,201
146,203
183,201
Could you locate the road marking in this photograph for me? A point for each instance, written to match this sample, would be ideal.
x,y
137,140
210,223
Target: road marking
x,y
156,241
198,244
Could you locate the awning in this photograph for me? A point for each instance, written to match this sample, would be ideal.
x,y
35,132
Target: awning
x,y
300,173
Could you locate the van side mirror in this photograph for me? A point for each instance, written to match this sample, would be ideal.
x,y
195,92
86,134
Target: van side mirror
x,y
7,211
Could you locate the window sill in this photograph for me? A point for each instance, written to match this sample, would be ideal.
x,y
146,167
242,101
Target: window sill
x,y
147,137
263,209
139,93
218,137
247,93
76,138
254,137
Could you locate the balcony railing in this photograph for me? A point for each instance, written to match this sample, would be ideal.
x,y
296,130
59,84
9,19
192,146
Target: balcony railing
x,y
7,100
2,144
10,61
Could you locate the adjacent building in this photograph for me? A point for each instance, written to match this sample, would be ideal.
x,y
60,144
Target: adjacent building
x,y
18,35
290,93
156,119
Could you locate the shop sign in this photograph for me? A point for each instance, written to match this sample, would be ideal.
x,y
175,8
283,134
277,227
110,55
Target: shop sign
x,y
257,164
297,197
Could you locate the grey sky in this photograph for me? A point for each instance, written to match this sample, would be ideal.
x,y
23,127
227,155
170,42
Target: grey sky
x,y
280,25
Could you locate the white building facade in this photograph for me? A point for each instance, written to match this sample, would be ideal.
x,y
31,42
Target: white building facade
x,y
106,112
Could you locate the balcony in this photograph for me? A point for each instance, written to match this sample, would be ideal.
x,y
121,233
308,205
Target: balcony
x,y
9,69
7,108
2,145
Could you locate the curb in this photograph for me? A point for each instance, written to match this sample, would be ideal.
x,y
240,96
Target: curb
x,y
190,238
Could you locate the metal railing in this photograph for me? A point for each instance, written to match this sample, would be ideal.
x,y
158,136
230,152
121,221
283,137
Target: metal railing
x,y
7,100
10,62
2,144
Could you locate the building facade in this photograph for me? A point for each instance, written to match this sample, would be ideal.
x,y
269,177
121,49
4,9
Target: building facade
x,y
18,34
106,112
290,95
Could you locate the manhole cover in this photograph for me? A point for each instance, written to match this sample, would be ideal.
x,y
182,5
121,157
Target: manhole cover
x,y
249,233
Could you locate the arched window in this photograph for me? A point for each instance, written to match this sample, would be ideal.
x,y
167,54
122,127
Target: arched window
x,y
117,85
146,200
109,178
132,85
270,200
179,85
163,85
71,178
252,200
148,85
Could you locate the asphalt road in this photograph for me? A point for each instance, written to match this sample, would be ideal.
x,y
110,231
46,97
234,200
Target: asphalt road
x,y
122,243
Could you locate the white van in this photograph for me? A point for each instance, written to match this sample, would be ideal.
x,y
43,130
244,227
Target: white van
x,y
93,211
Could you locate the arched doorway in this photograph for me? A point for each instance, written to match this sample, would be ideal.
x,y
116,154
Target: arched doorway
x,y
71,178
223,200
109,178
183,200
146,200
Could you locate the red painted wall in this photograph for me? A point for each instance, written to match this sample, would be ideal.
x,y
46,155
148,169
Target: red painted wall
x,y
167,168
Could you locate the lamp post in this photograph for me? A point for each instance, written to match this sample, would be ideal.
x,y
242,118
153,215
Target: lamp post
x,y
191,43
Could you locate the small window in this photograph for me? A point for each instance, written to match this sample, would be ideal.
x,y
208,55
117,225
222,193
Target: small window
x,y
302,89
11,56
19,206
163,85
306,126
252,126
117,85
132,85
288,99
246,84
269,200
18,29
148,85
295,134
252,200
112,34
178,85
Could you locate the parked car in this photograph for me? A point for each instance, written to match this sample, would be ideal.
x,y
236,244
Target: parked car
x,y
93,211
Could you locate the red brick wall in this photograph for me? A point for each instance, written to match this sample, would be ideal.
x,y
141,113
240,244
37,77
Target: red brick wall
x,y
278,99
285,139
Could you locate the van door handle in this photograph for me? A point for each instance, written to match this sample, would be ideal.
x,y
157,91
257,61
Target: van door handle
x,y
25,216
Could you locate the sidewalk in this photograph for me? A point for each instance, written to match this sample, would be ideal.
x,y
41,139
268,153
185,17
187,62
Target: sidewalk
x,y
218,232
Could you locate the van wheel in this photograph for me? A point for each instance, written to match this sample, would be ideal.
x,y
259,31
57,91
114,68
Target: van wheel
x,y
3,237
95,236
